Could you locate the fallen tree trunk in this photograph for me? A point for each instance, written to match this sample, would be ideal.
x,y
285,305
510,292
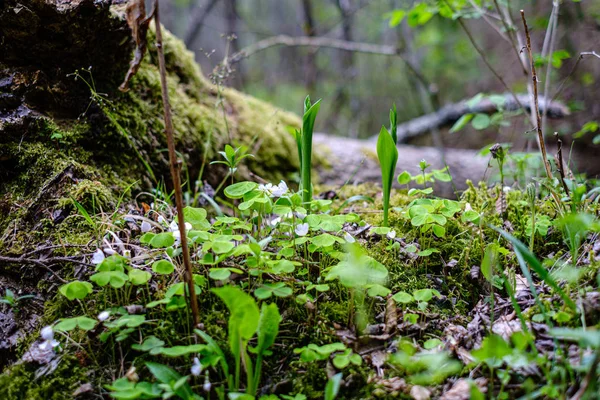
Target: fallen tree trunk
x,y
354,161
448,115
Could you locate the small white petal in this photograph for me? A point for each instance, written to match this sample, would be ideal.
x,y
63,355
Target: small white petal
x,y
299,215
506,189
206,387
275,221
103,316
45,345
196,367
391,234
161,220
47,333
173,226
146,227
127,253
349,238
188,227
109,251
98,257
301,229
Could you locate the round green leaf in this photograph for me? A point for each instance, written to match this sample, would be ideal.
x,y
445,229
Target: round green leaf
x,y
163,267
404,178
139,277
481,121
75,290
403,297
219,274
238,190
162,240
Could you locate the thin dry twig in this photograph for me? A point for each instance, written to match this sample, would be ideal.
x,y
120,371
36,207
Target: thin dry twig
x,y
560,165
581,57
175,166
535,98
321,41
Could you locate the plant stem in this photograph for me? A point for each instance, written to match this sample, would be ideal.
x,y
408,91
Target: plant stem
x,y
174,164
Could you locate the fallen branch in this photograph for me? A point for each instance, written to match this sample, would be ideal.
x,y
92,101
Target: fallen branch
x,y
449,114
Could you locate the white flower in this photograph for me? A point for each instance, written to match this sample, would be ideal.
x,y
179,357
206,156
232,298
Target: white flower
x,y
391,234
468,207
299,215
301,229
146,227
173,227
161,220
506,189
47,333
275,221
207,384
266,188
349,238
109,251
196,367
279,190
98,257
127,253
103,316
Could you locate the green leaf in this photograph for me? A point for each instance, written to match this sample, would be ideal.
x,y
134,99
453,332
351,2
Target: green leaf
x,y
403,297
219,274
163,267
178,351
76,290
333,387
243,319
138,277
169,376
461,123
481,121
388,158
525,258
268,327
162,240
377,290
490,261
238,190
196,217
585,337
308,123
151,342
115,279
68,324
222,246
423,295
431,344
404,178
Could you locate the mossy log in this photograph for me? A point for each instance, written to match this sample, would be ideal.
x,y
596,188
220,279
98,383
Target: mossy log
x,y
66,130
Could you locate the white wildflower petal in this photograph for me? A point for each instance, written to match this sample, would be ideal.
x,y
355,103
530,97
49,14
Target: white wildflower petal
x,y
47,333
207,385
103,316
506,189
173,227
109,251
188,227
349,238
196,369
146,227
301,229
98,257
161,220
45,345
391,234
299,215
275,221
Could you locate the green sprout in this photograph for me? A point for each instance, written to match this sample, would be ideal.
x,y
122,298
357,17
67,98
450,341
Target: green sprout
x,y
304,142
388,157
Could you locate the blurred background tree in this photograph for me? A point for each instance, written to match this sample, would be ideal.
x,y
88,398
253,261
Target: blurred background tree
x,y
445,67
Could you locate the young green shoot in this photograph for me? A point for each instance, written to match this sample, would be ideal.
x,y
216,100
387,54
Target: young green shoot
x,y
388,157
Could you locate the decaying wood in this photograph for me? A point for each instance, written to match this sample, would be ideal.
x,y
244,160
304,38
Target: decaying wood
x,y
451,113
354,161
139,22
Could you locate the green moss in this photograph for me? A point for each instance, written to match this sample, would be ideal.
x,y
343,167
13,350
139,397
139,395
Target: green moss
x,y
19,382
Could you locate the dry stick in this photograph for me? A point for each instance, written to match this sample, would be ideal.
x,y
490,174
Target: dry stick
x,y
561,168
174,164
487,63
581,56
552,27
535,99
308,41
